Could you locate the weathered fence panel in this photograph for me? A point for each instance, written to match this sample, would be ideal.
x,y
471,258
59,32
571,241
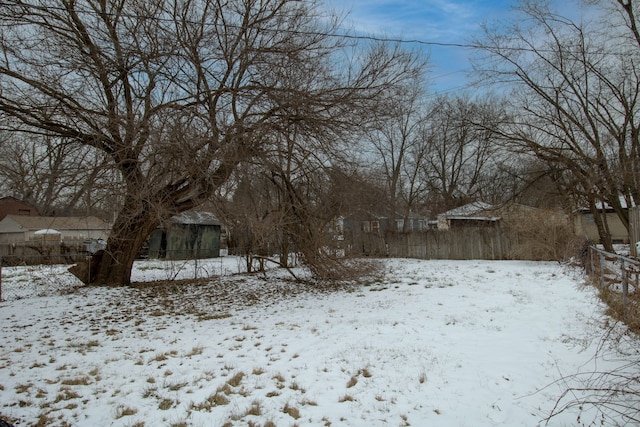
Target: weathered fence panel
x,y
463,243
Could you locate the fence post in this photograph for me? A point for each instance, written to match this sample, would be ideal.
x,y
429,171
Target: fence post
x,y
625,290
1,279
602,270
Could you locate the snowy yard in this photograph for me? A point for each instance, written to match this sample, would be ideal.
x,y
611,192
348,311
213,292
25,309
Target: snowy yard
x,y
436,343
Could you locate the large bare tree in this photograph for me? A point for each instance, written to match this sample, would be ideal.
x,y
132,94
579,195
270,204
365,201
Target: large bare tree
x,y
177,94
574,104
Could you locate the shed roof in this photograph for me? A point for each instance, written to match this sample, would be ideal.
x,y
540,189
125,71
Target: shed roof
x,y
195,217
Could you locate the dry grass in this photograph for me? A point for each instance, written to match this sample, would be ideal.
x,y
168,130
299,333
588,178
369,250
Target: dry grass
x,y
23,388
628,313
66,393
255,409
216,399
352,382
293,412
176,386
236,379
165,404
125,411
83,380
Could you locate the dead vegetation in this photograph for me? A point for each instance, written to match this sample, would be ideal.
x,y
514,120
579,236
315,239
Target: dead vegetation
x,y
615,392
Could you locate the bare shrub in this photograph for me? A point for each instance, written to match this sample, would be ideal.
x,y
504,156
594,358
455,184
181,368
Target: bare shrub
x,y
612,394
543,235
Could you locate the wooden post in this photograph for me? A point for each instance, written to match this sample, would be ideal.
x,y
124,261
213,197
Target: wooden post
x,y
625,290
1,278
602,270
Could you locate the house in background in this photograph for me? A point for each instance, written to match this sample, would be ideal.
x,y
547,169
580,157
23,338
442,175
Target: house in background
x,y
12,206
379,224
476,214
585,225
512,216
189,235
17,229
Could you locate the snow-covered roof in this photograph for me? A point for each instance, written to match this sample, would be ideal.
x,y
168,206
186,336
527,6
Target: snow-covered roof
x,y
600,205
466,210
195,217
475,218
47,231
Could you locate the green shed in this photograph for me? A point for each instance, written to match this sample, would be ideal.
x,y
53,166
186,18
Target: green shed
x,y
189,235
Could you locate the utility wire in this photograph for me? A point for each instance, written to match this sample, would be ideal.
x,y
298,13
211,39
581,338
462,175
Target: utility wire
x,y
342,35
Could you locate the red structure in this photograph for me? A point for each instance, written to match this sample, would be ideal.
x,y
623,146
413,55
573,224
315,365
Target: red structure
x,y
13,206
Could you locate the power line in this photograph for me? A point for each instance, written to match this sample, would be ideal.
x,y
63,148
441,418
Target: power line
x,y
364,37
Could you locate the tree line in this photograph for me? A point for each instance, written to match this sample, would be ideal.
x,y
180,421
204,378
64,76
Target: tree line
x,y
264,110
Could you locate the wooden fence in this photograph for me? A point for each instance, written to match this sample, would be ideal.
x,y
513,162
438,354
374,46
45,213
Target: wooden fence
x,y
618,278
491,243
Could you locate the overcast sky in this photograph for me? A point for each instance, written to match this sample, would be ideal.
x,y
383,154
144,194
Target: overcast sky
x,y
431,21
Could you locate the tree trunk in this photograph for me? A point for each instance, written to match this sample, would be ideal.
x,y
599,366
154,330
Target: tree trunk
x,y
284,251
127,237
599,220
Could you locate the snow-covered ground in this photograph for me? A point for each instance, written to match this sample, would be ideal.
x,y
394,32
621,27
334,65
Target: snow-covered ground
x,y
434,343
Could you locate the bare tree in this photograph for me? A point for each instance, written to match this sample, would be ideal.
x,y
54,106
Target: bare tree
x,y
395,133
575,98
178,94
461,149
56,177
252,215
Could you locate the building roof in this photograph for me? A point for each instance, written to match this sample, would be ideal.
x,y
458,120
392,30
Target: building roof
x,y
195,217
467,210
58,223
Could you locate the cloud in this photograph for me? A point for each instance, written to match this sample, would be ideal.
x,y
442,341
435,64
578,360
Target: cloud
x,y
430,21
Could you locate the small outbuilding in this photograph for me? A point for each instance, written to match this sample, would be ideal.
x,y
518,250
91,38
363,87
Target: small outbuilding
x,y
476,214
189,235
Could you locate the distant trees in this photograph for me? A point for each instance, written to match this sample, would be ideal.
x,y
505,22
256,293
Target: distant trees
x,y
462,155
396,135
440,152
574,100
176,95
57,177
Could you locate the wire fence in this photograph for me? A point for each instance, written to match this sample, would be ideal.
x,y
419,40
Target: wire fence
x,y
618,278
